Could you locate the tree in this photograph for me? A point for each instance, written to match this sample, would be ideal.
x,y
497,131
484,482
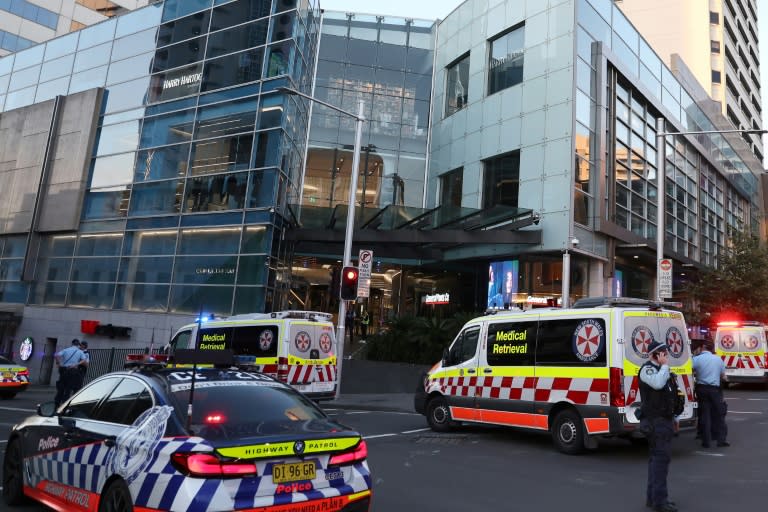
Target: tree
x,y
738,287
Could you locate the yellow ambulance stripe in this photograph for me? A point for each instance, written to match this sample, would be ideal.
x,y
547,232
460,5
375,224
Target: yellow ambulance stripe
x,y
573,372
506,371
632,369
285,449
528,371
301,361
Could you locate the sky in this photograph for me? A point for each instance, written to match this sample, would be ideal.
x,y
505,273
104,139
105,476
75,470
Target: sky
x,y
433,9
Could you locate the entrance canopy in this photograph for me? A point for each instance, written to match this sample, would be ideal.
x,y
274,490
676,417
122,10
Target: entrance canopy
x,y
410,233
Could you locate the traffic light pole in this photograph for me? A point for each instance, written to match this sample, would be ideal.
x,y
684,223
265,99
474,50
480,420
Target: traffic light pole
x,y
360,118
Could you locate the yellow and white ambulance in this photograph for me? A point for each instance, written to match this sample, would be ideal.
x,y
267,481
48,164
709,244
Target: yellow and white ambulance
x,y
296,347
570,372
744,348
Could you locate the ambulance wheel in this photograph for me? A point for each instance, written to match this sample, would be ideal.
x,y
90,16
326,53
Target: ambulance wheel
x,y
116,498
13,476
568,432
439,415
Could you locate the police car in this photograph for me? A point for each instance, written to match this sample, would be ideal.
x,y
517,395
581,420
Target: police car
x,y
14,378
196,440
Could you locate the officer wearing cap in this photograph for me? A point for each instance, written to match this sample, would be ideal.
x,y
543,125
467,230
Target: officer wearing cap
x,y
658,423
69,361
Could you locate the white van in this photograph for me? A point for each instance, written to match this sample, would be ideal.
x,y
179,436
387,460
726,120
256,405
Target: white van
x,y
570,372
296,347
744,348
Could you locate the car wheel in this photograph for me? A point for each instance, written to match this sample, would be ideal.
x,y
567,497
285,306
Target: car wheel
x,y
116,498
439,415
13,475
568,432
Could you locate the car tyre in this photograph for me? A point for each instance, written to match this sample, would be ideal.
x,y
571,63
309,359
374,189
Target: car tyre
x,y
116,498
13,475
568,432
439,415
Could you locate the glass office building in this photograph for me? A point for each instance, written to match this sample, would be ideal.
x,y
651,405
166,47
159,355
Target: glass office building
x,y
152,167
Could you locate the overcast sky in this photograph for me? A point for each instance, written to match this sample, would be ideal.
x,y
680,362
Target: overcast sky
x,y
433,9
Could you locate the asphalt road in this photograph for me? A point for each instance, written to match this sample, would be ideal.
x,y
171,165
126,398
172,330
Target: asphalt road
x,y
478,468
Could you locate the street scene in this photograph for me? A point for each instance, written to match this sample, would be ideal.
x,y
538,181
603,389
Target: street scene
x,y
484,468
345,256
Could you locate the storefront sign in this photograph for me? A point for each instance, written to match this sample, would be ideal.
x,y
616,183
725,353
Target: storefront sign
x,y
214,270
26,349
176,84
438,298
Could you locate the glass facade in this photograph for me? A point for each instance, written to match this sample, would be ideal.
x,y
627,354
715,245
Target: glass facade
x,y
31,12
387,63
192,151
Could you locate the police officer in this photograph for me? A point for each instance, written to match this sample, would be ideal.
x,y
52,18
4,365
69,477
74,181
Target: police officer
x,y
364,321
658,422
69,360
710,371
83,367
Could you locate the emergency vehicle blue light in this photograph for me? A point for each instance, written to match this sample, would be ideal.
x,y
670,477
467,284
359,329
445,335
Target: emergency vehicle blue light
x,y
204,318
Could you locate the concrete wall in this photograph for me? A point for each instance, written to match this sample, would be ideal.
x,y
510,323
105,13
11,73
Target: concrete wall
x,y
359,376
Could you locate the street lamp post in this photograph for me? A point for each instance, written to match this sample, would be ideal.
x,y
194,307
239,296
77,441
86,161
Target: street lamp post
x,y
347,260
661,150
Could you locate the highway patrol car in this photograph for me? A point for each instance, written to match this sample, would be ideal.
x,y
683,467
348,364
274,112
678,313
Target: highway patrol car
x,y
168,439
14,378
570,372
295,347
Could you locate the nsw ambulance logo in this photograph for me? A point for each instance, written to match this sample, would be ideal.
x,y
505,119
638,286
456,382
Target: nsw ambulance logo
x,y
641,338
675,342
588,340
727,342
265,340
751,343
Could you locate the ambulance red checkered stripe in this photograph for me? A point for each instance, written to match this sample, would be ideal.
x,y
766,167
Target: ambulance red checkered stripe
x,y
584,391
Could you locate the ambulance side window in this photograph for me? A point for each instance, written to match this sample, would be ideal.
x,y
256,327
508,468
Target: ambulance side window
x,y
464,347
571,342
511,343
181,340
255,340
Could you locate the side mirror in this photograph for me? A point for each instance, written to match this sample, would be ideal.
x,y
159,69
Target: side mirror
x,y
46,410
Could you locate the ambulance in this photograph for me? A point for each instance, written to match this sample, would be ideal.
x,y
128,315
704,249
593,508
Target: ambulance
x,y
743,347
572,373
295,347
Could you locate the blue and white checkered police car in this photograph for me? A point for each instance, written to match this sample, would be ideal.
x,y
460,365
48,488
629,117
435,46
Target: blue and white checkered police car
x,y
182,440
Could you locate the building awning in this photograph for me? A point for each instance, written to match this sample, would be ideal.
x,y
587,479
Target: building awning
x,y
410,233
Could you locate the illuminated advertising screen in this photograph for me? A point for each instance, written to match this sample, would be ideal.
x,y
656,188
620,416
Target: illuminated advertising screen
x,y
503,288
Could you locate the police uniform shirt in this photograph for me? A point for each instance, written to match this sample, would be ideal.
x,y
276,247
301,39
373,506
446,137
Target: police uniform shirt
x,y
708,368
70,357
655,376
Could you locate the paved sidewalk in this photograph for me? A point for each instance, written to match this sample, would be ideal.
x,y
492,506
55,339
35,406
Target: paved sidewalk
x,y
395,402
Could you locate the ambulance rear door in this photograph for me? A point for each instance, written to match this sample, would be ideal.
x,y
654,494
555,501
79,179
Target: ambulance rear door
x,y
640,328
311,356
743,350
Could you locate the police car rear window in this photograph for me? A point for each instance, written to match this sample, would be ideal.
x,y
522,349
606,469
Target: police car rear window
x,y
238,407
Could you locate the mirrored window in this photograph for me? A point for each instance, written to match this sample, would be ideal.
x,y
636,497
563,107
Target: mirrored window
x,y
29,57
153,242
135,44
140,297
89,79
146,270
135,21
61,46
179,54
227,118
202,270
118,138
24,78
112,170
20,98
94,269
457,85
57,68
505,67
129,69
161,163
183,28
92,57
167,129
156,198
501,180
106,203
187,299
221,155
203,241
93,295
97,34
176,84
261,189
178,8
244,36
235,13
49,90
127,95
233,69
215,193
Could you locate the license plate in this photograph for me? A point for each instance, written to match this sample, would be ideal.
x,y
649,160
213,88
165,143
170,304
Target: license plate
x,y
293,472
9,375
323,386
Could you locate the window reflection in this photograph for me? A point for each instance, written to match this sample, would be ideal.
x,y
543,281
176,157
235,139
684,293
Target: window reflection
x,y
221,155
106,203
182,29
457,85
245,36
167,129
261,192
224,119
234,69
160,163
215,193
235,12
156,198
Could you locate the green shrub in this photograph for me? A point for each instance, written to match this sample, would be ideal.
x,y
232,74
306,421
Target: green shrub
x,y
416,340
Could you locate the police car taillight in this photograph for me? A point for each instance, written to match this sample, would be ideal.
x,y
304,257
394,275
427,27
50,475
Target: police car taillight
x,y
23,372
616,387
359,453
215,418
208,465
282,369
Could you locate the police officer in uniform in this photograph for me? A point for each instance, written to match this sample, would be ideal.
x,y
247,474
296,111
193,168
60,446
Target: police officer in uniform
x,y
658,423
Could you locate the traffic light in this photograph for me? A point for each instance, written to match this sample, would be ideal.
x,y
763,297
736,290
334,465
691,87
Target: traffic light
x,y
349,277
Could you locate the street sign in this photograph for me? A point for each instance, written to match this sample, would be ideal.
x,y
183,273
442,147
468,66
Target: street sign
x,y
365,260
665,278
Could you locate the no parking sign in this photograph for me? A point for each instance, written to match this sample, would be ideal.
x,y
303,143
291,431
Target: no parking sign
x,y
365,259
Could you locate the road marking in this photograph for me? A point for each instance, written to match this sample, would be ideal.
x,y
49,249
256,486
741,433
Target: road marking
x,y
757,399
359,412
744,412
710,454
17,409
414,431
379,435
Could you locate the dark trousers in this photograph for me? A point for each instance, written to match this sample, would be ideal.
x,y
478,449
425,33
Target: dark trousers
x,y
660,432
711,414
350,328
70,380
363,330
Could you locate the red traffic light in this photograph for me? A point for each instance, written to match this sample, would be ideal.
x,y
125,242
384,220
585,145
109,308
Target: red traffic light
x,y
348,288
